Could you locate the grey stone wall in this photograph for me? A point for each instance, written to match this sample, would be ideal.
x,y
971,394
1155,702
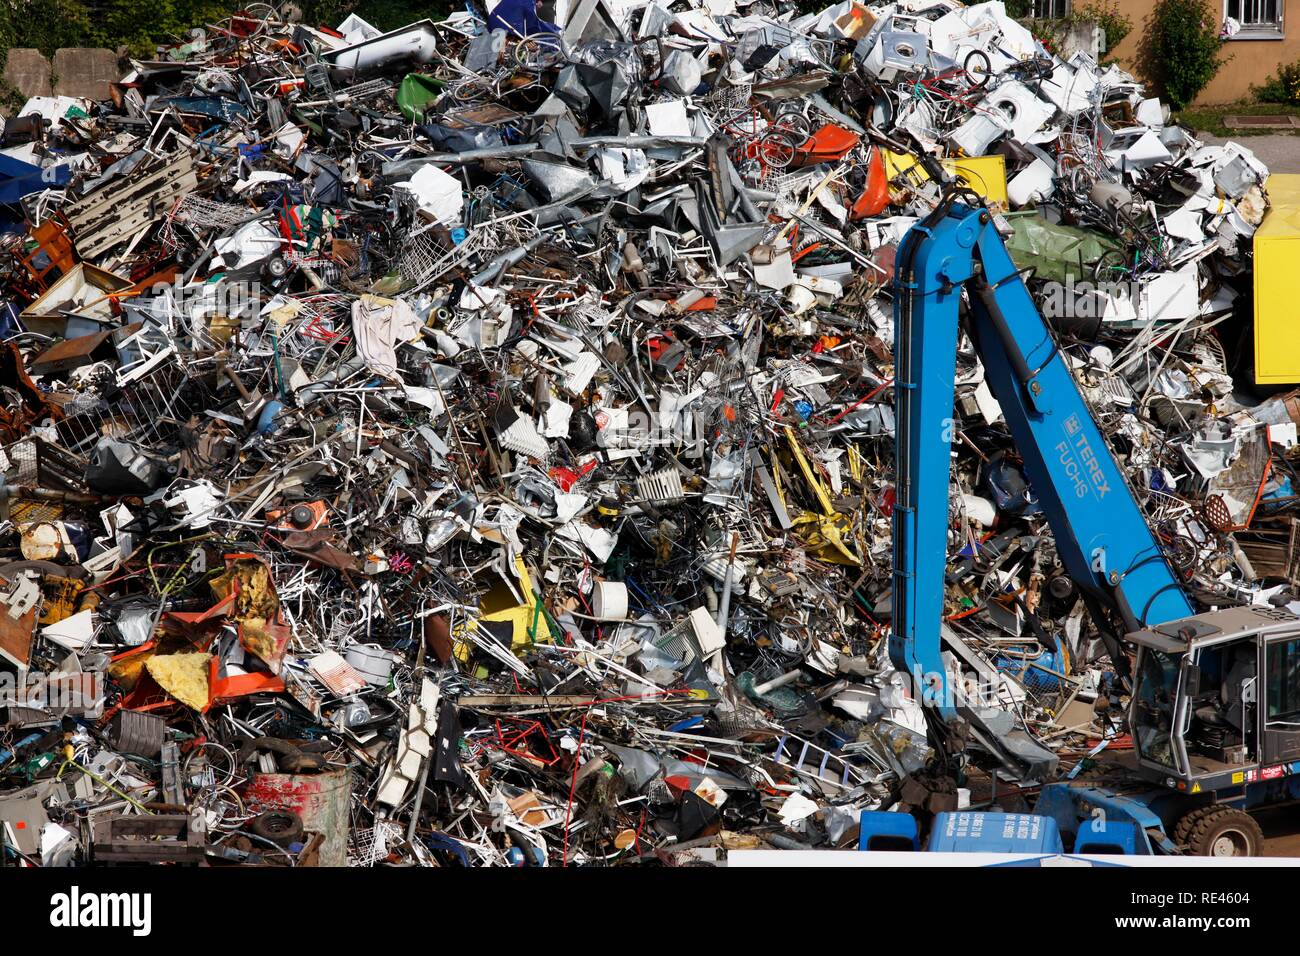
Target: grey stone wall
x,y
28,71
75,71
85,71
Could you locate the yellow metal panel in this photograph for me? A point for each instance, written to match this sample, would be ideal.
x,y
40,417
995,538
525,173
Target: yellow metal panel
x,y
528,620
987,175
1277,285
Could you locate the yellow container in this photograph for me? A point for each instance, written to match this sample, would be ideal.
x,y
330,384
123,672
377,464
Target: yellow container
x,y
1277,285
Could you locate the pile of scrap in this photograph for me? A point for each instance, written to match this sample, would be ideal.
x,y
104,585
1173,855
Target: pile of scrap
x,y
472,443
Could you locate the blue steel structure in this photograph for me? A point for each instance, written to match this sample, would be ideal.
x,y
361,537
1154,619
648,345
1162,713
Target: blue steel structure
x,y
968,831
1101,535
1196,771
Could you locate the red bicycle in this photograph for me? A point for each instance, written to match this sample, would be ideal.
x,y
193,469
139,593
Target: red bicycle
x,y
764,141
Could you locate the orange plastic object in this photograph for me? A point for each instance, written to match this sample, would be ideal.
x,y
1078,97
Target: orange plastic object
x,y
875,197
828,143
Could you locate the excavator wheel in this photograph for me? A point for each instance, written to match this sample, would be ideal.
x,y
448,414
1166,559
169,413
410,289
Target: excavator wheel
x,y
1183,828
1219,831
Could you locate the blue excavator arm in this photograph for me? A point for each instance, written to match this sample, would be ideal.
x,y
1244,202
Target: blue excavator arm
x,y
1101,536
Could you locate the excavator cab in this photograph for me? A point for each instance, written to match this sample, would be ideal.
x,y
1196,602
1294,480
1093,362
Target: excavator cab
x,y
1216,699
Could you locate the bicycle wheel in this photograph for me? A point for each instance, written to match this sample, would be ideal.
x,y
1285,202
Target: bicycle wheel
x,y
747,122
224,809
471,90
1082,179
209,765
978,68
536,54
262,11
793,125
1111,267
775,150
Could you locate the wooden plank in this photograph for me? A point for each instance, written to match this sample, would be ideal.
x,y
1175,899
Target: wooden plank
x,y
119,210
528,700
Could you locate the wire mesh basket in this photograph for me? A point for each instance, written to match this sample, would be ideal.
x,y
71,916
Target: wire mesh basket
x,y
728,99
20,462
146,402
200,213
429,255
370,845
200,216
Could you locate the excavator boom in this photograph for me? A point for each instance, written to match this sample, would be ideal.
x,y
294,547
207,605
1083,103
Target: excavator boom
x,y
1101,535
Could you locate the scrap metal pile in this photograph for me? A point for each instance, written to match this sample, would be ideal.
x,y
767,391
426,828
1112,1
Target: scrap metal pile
x,y
472,444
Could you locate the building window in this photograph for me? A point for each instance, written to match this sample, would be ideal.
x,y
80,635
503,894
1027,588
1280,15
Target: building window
x,y
1051,9
1253,18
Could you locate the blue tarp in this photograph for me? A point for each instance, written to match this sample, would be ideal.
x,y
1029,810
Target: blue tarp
x,y
519,17
17,179
215,107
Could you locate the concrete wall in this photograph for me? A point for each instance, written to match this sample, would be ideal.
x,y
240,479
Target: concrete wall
x,y
28,72
85,71
1252,61
76,71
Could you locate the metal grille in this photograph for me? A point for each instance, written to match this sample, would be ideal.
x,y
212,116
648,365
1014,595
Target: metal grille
x,y
776,180
426,255
19,462
22,467
204,213
200,215
681,643
147,402
363,91
1051,9
727,100
1257,14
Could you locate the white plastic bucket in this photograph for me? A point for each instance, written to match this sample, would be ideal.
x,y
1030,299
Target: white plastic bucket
x,y
609,601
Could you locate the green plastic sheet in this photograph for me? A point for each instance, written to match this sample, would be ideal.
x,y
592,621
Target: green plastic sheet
x,y
1055,252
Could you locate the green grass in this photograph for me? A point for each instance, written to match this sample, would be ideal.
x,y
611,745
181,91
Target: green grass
x,y
1209,119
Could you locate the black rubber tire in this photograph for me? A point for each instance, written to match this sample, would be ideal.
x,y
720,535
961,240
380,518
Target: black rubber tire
x,y
1183,828
977,68
281,827
1223,831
